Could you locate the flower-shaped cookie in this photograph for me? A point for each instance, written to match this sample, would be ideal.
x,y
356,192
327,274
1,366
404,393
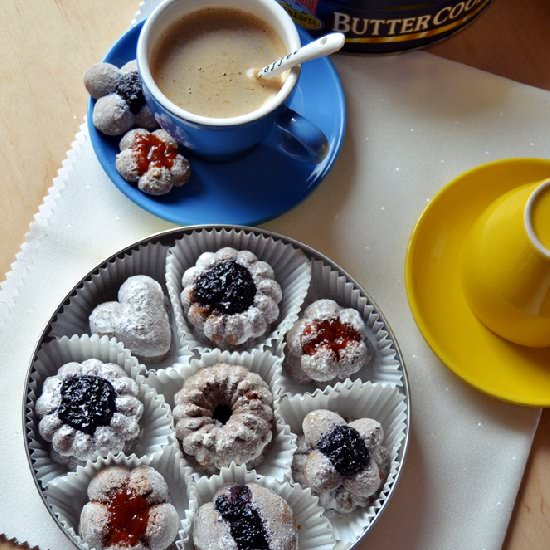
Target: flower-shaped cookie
x,y
327,344
88,410
120,101
230,297
129,509
343,462
152,161
139,319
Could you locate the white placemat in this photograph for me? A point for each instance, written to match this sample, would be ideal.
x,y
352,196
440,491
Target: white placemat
x,y
415,121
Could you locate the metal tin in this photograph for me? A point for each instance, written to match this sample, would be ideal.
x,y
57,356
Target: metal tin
x,y
168,238
385,26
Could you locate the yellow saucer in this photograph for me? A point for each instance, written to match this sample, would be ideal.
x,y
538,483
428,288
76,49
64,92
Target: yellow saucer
x,y
475,354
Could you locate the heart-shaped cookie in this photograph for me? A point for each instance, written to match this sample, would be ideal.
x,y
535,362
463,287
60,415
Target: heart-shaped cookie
x,y
139,319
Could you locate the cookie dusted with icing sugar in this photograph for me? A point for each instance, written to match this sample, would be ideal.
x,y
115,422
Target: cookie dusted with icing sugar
x,y
139,319
327,344
88,410
344,463
128,508
224,414
120,101
152,161
230,297
245,517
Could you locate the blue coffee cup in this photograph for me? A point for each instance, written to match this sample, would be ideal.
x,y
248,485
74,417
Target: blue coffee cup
x,y
222,138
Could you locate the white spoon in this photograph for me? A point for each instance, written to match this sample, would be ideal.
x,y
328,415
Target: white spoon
x,y
325,45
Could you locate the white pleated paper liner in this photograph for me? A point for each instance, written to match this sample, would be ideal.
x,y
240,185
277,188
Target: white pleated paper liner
x,y
276,462
314,530
102,286
67,495
290,265
384,366
156,421
353,400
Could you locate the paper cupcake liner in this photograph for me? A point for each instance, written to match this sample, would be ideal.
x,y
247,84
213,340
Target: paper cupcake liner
x,y
67,495
384,365
314,530
278,458
156,421
102,286
353,400
291,267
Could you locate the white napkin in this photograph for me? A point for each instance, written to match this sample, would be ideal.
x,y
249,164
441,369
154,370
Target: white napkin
x,y
415,121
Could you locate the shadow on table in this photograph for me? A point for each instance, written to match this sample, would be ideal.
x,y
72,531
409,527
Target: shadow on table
x,y
313,220
403,522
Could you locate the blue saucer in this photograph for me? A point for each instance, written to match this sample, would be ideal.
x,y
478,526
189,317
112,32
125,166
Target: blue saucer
x,y
251,189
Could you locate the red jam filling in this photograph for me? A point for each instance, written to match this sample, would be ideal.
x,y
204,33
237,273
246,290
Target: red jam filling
x,y
150,151
128,517
329,333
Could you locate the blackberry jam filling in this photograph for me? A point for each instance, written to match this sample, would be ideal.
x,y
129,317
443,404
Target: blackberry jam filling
x,y
330,333
129,88
245,524
345,448
87,402
226,287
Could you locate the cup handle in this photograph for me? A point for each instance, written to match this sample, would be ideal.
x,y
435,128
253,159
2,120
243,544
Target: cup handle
x,y
298,137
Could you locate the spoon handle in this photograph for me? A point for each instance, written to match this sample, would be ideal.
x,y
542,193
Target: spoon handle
x,y
325,45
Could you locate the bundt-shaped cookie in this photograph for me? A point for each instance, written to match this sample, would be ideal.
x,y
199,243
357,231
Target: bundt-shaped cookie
x,y
129,509
344,463
230,297
327,344
245,517
223,414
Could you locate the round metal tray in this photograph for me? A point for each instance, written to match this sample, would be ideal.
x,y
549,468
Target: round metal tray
x,y
169,238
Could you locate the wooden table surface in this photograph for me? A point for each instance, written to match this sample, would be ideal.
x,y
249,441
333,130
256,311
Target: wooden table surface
x,y
49,43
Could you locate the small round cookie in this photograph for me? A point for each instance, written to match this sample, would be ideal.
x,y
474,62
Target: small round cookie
x,y
128,508
152,161
327,344
88,410
224,414
101,79
112,116
120,101
139,319
245,517
344,463
230,297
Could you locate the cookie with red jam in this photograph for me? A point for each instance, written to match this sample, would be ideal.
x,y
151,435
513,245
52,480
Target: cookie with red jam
x,y
128,508
327,344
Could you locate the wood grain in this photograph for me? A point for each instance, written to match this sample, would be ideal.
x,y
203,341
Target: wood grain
x,y
49,43
509,39
45,49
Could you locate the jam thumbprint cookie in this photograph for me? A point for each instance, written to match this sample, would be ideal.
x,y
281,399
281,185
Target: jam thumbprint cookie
x,y
230,297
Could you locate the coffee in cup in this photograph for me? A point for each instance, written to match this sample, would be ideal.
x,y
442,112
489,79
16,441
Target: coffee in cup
x,y
221,138
200,62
